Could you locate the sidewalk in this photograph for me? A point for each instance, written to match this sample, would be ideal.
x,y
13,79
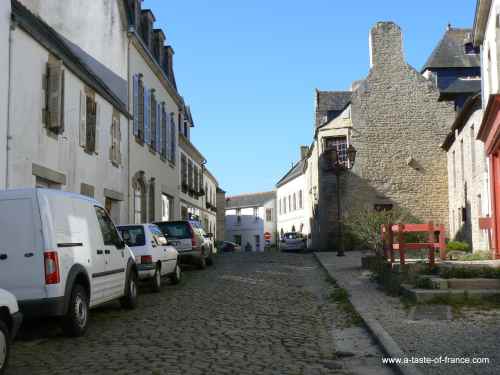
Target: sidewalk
x,y
417,332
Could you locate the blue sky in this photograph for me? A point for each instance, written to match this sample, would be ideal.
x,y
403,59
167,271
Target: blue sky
x,y
249,69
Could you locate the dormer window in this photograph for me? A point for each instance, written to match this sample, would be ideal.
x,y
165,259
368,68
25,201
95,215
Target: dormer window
x,y
470,49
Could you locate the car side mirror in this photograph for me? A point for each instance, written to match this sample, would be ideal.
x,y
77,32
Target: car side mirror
x,y
121,244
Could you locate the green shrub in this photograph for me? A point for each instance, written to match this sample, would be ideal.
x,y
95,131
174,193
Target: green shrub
x,y
458,246
470,273
477,255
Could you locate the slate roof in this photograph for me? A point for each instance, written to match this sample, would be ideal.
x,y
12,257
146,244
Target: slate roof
x,y
460,86
116,83
250,200
450,52
330,101
106,83
294,172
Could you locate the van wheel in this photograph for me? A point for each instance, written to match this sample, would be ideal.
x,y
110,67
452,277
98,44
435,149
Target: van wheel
x,y
156,280
76,319
4,346
175,278
129,300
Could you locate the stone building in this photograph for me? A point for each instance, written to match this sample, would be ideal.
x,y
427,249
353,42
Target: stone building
x,y
468,177
250,218
209,206
398,124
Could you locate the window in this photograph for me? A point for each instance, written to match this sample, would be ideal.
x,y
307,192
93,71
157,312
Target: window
x,y
89,118
289,203
166,207
340,144
462,164
238,215
294,201
190,176
46,184
173,139
269,214
470,49
112,207
300,199
279,206
139,131
284,205
138,194
133,235
108,230
153,120
472,150
152,199
116,136
185,129
54,96
237,239
196,181
157,235
184,174
454,162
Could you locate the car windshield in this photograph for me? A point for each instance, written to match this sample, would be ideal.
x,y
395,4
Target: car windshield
x,y
176,230
133,235
292,236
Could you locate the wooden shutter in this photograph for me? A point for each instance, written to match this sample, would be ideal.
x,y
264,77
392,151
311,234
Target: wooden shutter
x,y
55,91
136,105
97,127
166,140
147,114
158,128
173,140
83,119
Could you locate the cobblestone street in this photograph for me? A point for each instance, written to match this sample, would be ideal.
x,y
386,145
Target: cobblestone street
x,y
265,313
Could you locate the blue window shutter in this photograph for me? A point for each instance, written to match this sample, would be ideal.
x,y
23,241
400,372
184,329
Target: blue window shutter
x,y
158,128
167,135
136,104
147,115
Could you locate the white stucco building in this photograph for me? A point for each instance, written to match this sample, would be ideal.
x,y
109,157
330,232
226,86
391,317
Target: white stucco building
x,y
209,200
67,127
293,199
250,219
153,133
4,85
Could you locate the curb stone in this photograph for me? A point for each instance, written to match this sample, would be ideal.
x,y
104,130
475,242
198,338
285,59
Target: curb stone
x,y
380,335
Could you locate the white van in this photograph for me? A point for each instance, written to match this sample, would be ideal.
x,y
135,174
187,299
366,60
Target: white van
x,y
61,254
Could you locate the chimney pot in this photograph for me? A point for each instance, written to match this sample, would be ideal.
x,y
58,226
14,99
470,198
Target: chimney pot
x,y
386,45
303,152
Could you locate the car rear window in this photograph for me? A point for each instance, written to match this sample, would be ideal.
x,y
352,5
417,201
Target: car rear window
x,y
177,230
133,235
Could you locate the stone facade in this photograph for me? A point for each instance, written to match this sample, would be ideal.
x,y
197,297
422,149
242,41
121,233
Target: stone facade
x,y
468,177
398,127
221,214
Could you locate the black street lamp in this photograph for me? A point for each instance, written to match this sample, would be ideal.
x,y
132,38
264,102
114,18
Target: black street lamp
x,y
335,164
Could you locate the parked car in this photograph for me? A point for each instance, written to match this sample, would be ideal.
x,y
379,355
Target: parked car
x,y
154,258
229,247
10,321
189,238
293,241
61,255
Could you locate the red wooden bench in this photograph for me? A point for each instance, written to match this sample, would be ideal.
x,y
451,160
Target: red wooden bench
x,y
393,240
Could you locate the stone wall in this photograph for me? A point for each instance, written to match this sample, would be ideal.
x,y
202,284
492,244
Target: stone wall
x,y
221,214
398,127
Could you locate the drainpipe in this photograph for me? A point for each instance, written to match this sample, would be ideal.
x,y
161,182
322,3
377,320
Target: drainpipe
x,y
129,181
9,101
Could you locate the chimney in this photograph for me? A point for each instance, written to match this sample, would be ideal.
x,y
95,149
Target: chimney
x,y
159,40
169,62
303,152
135,6
386,45
147,21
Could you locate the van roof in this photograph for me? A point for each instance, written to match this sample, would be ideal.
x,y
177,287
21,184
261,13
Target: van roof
x,y
31,192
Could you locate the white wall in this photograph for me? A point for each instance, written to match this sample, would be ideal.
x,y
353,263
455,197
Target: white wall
x,y
141,158
490,54
31,143
295,218
98,27
251,225
4,82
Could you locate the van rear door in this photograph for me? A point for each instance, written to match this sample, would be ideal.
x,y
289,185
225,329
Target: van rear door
x,y
21,261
